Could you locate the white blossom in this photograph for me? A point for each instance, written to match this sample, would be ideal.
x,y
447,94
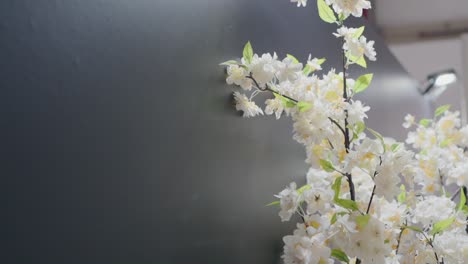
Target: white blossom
x,y
394,187
314,63
301,248
318,199
459,173
409,121
369,243
274,106
347,7
264,68
345,32
359,47
289,201
356,111
237,75
300,2
452,246
243,104
387,182
433,209
288,70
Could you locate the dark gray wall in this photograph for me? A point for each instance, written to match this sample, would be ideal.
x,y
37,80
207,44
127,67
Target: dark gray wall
x,y
119,140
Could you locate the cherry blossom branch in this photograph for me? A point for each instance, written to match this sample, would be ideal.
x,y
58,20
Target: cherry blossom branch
x,y
373,190
347,143
429,241
352,191
455,194
338,125
399,238
371,198
268,88
345,130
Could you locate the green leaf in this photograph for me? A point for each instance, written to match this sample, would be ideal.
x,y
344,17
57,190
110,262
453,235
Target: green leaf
x,y
326,165
357,129
362,62
325,12
462,199
333,219
395,147
337,187
358,32
308,69
289,104
442,225
362,220
303,106
335,216
414,228
425,122
229,62
339,255
441,109
386,241
348,204
286,102
377,135
445,143
402,195
465,209
273,203
362,83
342,17
248,52
321,61
293,58
303,189
360,127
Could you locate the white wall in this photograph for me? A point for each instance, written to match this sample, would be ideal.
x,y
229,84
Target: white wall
x,y
395,13
423,58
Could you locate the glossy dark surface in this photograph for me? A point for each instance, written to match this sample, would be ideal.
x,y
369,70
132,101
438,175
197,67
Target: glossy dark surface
x,y
119,140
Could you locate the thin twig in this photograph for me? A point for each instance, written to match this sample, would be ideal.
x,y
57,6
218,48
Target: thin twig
x,y
455,194
352,191
268,88
432,245
399,239
338,125
375,186
370,200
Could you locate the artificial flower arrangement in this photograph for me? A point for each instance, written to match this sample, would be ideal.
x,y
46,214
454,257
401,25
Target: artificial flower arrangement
x,y
367,200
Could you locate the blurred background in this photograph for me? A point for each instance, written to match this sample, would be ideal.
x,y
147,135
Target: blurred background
x,y
120,142
428,36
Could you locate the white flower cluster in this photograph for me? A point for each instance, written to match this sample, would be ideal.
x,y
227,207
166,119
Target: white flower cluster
x,y
442,144
349,7
345,7
367,199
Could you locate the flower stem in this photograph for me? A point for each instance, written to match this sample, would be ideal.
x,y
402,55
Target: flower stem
x,y
347,142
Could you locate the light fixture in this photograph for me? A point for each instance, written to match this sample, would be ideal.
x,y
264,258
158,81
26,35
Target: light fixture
x,y
437,83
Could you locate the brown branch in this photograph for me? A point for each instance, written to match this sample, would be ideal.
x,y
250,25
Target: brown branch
x,y
373,190
338,125
268,88
429,241
370,200
347,142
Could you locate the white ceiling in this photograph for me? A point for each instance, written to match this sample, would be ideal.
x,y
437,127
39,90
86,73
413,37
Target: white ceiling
x,y
425,37
397,13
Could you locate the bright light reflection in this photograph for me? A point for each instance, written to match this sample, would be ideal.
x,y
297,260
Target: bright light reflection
x,y
445,79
